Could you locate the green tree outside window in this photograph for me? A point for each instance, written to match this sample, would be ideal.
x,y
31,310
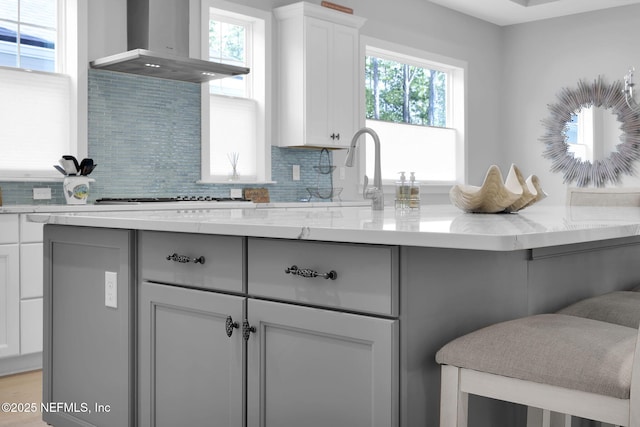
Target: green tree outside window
x,y
403,93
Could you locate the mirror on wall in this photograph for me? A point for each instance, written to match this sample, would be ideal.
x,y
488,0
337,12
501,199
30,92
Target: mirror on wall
x,y
593,133
592,136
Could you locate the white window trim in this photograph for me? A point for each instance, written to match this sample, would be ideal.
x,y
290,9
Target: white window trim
x,y
76,66
73,55
456,118
261,90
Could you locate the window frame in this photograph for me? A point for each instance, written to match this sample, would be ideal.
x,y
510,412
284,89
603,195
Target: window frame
x,y
71,60
260,91
456,103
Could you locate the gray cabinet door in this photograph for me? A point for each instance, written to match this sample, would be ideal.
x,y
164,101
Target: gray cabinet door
x,y
87,360
190,371
317,368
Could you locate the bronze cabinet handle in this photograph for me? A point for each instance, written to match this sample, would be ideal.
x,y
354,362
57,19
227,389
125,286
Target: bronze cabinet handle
x,y
183,259
307,272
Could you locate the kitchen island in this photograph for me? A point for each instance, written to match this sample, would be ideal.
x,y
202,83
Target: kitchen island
x,y
287,317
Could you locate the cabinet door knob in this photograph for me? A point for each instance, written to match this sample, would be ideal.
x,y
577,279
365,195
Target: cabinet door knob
x,y
247,329
183,259
230,325
307,272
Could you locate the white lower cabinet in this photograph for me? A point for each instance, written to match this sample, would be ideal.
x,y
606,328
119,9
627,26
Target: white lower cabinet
x,y
31,274
20,294
31,270
31,326
9,301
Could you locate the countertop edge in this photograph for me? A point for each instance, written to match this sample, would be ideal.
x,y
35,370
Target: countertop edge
x,y
437,228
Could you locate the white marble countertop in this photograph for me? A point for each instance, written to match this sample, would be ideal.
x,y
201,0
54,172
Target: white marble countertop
x,y
433,226
19,209
44,208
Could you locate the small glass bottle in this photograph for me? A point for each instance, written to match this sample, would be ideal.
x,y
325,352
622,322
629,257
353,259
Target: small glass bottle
x,y
402,192
414,192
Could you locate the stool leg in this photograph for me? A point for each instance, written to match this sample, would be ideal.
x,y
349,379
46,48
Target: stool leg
x,y
560,420
537,417
453,402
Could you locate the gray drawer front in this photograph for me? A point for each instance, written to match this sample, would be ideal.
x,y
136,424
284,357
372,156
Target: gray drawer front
x,y
223,255
367,276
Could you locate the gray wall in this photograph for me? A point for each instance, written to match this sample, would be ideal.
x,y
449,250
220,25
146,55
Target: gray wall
x,y
542,57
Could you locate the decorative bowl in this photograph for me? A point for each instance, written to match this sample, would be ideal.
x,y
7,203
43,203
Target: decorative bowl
x,y
495,196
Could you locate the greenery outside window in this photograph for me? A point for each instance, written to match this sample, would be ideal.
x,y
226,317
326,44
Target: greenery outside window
x,y
235,114
415,102
228,44
403,93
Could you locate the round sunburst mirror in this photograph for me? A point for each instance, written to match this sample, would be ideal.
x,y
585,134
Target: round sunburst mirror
x,y
568,156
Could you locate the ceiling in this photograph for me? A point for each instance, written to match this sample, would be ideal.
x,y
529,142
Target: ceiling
x,y
508,12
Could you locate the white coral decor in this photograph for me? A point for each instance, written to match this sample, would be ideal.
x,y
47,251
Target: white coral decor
x,y
494,196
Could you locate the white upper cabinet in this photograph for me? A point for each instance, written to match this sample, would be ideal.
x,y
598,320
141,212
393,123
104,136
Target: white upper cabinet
x,y
318,76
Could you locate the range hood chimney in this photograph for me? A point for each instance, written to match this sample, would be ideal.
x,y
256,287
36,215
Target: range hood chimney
x,y
158,45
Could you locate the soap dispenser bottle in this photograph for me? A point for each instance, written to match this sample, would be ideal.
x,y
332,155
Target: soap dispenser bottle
x,y
402,192
414,192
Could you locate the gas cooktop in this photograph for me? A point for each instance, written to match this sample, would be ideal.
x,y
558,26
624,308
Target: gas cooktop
x,y
137,200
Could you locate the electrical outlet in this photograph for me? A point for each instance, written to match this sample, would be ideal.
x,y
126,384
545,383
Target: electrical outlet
x,y
111,289
343,172
235,193
296,172
41,194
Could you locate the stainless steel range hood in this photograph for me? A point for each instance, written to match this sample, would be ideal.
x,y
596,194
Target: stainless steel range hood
x,y
158,43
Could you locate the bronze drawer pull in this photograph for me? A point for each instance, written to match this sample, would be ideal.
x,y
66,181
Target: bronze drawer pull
x,y
183,259
306,272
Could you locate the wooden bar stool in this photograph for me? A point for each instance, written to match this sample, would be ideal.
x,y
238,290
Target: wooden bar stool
x,y
561,363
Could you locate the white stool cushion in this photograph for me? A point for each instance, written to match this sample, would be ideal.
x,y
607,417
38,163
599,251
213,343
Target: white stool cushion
x,y
556,349
621,308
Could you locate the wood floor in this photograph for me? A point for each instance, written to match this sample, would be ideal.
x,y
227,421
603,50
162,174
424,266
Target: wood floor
x,y
21,389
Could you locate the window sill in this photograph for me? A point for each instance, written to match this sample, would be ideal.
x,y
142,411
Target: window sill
x,y
439,188
227,182
31,179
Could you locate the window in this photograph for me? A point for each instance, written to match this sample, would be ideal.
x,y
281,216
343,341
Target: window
x,y
36,50
28,34
228,39
234,111
402,93
592,133
415,102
